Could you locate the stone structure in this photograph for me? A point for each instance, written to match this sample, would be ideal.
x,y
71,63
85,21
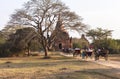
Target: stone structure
x,y
84,42
62,39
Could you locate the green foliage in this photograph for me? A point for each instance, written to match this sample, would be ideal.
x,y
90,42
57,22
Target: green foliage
x,y
76,45
4,46
2,40
99,34
35,46
18,42
5,50
101,39
80,42
112,45
23,39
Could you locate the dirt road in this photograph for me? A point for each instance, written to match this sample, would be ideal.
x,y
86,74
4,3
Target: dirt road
x,y
113,64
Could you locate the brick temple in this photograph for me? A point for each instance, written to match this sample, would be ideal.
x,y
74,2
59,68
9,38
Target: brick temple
x,y
63,40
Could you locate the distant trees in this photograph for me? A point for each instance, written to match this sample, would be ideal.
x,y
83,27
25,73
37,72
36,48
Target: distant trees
x,y
4,51
19,42
101,38
2,38
5,43
99,34
114,46
44,16
8,30
76,43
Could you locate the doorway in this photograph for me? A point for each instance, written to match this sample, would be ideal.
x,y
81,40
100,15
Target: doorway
x,y
60,45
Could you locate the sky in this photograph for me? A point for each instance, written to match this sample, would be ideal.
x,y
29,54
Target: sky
x,y
95,13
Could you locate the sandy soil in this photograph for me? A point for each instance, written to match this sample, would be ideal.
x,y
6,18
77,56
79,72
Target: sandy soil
x,y
115,65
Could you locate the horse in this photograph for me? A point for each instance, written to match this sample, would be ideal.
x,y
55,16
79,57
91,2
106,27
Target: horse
x,y
76,52
103,53
87,53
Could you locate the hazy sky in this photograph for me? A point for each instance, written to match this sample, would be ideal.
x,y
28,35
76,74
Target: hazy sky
x,y
96,13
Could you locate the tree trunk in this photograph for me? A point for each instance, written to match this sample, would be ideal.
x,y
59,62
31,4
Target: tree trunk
x,y
44,44
28,48
43,41
46,52
28,51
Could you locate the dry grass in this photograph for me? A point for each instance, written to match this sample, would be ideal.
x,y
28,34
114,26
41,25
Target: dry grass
x,y
57,67
115,57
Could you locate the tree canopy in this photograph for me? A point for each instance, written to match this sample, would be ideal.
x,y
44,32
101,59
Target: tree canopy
x,y
99,34
44,16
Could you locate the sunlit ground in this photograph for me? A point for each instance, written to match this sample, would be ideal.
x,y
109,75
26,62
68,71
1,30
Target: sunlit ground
x,y
115,57
57,67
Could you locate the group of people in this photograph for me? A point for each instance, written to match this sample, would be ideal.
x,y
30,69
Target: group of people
x,y
90,52
83,52
101,52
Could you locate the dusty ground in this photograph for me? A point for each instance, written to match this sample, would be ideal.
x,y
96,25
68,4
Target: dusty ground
x,y
113,62
57,67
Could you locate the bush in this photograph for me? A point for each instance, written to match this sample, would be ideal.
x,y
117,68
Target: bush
x,y
76,45
112,45
5,52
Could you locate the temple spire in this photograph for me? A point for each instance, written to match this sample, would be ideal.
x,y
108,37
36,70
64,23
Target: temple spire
x,y
59,24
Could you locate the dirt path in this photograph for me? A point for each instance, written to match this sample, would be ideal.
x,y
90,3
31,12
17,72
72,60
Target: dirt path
x,y
113,64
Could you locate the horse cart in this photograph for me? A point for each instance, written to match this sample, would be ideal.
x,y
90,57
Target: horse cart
x,y
76,52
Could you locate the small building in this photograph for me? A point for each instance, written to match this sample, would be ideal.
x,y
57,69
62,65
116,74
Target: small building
x,y
83,41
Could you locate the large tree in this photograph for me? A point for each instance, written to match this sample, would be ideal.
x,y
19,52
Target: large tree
x,y
99,36
44,16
